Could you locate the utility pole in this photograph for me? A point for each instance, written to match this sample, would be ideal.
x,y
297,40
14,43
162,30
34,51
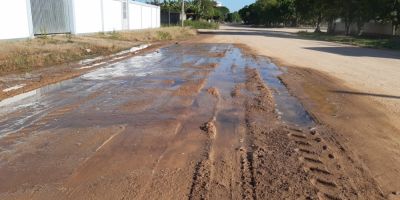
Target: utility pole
x,y
183,12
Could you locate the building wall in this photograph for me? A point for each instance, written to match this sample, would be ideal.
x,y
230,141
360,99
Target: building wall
x,y
87,16
146,17
112,12
14,20
143,16
154,17
135,16
369,28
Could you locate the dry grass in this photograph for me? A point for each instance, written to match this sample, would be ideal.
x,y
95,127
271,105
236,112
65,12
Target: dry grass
x,y
30,54
166,33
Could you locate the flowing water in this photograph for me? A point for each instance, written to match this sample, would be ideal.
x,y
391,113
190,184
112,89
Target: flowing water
x,y
100,94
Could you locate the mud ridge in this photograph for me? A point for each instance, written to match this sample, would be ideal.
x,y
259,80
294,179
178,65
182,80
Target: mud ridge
x,y
203,173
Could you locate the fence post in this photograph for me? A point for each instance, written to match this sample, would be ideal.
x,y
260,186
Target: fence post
x,y
183,11
102,15
29,15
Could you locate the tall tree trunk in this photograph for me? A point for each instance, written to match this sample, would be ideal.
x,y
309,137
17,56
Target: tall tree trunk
x,y
318,25
331,26
347,25
360,25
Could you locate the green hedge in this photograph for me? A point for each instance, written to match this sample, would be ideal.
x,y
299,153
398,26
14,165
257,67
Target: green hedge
x,y
201,24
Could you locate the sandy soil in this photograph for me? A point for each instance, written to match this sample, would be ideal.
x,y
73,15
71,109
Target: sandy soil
x,y
353,90
201,124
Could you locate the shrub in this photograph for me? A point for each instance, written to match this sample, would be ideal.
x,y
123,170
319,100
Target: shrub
x,y
201,24
163,35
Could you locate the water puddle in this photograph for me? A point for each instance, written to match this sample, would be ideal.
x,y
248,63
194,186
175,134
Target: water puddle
x,y
288,107
144,82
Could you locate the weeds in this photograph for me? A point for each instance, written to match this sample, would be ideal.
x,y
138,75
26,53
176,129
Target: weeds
x,y
115,35
45,50
162,35
381,42
69,37
201,24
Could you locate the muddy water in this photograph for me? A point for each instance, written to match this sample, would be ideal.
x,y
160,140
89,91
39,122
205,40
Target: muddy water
x,y
103,91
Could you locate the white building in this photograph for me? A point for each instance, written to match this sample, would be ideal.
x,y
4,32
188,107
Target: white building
x,y
27,18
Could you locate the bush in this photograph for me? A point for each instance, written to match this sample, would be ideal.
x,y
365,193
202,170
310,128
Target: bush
x,y
163,35
201,24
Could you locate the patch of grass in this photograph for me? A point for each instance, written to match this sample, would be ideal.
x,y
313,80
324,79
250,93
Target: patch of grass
x,y
381,42
27,55
163,35
150,35
201,24
114,35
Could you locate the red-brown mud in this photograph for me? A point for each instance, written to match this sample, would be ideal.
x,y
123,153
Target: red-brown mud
x,y
211,133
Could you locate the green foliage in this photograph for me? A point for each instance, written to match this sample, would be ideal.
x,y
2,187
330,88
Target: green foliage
x,y
221,14
163,35
315,12
197,9
201,24
362,41
234,17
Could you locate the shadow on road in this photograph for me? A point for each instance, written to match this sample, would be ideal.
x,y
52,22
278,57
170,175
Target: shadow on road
x,y
356,52
365,94
334,49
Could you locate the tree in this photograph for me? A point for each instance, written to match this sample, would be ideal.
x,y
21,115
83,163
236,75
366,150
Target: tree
x,y
221,13
316,12
234,17
391,13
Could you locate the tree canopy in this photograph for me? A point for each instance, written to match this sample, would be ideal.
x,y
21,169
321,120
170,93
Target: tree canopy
x,y
197,9
292,12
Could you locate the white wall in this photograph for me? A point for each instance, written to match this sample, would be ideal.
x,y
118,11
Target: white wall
x,y
14,19
369,28
143,16
87,16
154,17
146,17
158,17
112,10
135,16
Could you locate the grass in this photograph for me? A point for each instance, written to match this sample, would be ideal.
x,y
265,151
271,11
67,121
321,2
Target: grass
x,y
150,35
201,24
381,42
27,55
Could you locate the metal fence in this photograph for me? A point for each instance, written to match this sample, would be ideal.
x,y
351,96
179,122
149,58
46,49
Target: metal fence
x,y
170,18
51,16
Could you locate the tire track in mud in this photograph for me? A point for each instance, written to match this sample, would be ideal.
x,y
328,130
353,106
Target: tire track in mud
x,y
204,169
268,168
285,162
330,167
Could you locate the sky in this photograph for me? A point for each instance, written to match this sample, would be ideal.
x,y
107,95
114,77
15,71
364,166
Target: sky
x,y
235,5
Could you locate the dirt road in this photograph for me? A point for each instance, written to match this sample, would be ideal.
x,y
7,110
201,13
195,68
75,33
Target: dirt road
x,y
188,121
354,90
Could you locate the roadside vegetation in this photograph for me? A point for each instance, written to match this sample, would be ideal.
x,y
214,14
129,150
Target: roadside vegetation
x,y
318,13
382,42
201,24
200,14
274,13
27,55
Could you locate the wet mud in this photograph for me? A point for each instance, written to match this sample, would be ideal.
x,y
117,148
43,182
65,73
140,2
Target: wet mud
x,y
189,121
